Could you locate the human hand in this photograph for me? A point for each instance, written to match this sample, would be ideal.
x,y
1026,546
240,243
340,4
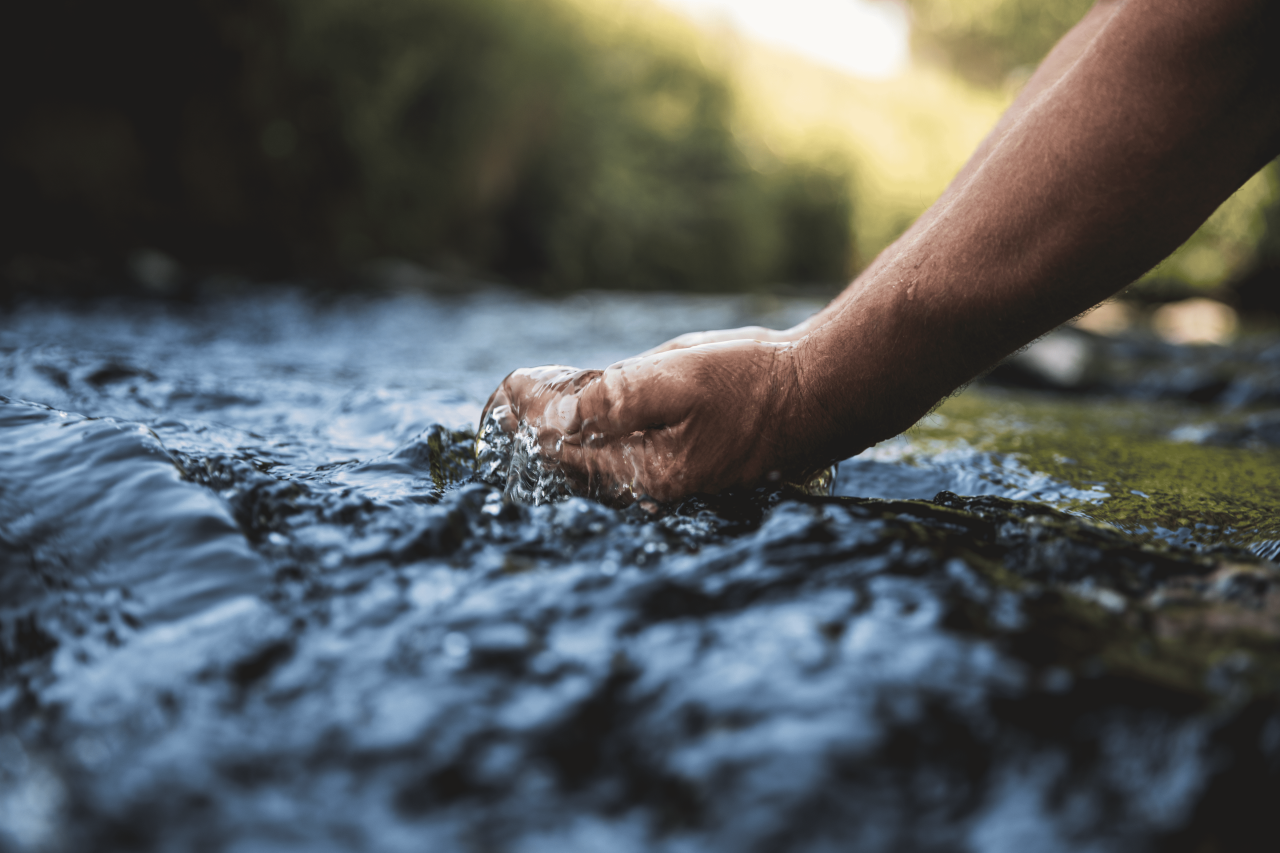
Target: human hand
x,y
665,425
745,333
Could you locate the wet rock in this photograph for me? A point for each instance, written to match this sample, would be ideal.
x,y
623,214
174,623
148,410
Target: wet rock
x,y
1075,362
1062,361
1255,432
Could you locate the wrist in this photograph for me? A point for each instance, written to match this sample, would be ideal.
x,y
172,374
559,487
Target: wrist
x,y
805,429
858,383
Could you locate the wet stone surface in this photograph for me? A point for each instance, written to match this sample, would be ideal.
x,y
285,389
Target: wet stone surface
x,y
256,597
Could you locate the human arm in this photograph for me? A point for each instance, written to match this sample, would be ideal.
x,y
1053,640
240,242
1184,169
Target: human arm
x,y
1144,122
1168,109
1063,55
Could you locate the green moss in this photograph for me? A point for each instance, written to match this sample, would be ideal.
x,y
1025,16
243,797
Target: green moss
x,y
1147,484
452,456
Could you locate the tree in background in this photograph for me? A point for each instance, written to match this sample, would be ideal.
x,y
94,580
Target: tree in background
x,y
502,137
987,40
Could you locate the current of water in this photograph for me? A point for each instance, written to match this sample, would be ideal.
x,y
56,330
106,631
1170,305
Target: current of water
x,y
255,598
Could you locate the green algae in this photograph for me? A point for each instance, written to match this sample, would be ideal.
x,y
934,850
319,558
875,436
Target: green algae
x,y
1128,457
451,456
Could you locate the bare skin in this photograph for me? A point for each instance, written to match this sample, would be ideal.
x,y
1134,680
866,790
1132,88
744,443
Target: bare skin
x,y
712,426
1143,119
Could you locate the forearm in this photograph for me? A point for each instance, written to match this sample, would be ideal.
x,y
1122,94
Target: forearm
x,y
1055,64
1100,174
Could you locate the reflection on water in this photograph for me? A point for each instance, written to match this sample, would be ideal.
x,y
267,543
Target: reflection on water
x,y
255,597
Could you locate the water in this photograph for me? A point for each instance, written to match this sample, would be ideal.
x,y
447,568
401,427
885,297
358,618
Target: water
x,y
255,599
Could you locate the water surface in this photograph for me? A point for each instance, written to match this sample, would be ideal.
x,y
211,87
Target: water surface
x,y
255,599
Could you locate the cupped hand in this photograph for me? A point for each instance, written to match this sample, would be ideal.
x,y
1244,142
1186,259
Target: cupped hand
x,y
665,425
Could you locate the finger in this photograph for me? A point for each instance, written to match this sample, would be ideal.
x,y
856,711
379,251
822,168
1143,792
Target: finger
x,y
497,415
629,418
641,393
527,387
521,392
541,403
547,404
689,339
693,339
613,472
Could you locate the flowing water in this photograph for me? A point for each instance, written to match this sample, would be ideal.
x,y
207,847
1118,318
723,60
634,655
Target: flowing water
x,y
256,598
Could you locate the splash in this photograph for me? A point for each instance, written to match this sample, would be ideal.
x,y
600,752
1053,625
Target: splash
x,y
513,461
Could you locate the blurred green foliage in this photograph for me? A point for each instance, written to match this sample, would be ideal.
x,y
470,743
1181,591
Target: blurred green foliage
x,y
988,40
481,136
1241,236
559,143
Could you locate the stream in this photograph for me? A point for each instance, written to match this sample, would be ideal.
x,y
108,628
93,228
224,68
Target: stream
x,y
254,597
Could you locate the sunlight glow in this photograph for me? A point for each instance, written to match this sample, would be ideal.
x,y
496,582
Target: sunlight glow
x,y
867,38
